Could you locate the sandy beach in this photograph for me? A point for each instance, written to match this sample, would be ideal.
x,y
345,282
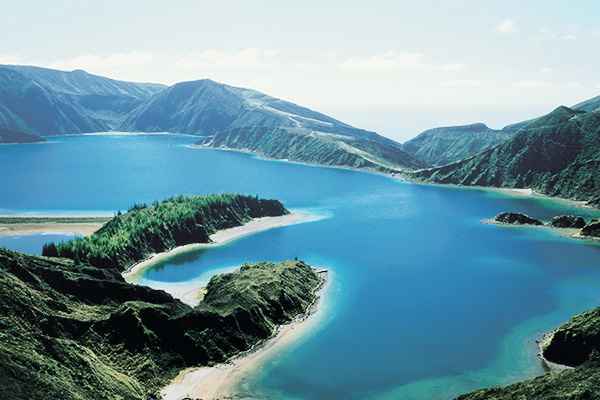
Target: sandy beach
x,y
84,228
219,238
232,380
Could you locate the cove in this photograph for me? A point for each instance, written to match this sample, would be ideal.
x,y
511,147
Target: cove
x,y
427,301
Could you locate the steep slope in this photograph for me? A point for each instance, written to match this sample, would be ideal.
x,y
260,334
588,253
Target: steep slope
x,y
557,155
79,332
314,147
206,107
10,136
577,344
49,102
441,146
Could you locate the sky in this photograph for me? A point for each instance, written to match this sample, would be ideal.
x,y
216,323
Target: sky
x,y
394,67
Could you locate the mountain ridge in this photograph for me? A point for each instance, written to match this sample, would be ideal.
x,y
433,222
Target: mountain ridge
x,y
557,155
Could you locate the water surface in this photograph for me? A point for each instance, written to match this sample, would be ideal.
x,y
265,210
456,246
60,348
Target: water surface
x,y
428,302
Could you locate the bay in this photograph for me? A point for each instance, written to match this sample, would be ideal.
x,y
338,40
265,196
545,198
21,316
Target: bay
x,y
427,302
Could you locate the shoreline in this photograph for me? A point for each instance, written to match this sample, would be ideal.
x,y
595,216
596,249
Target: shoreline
x,y
29,228
219,238
515,192
230,378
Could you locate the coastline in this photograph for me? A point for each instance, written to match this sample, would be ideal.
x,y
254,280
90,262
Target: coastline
x,y
231,378
219,238
78,228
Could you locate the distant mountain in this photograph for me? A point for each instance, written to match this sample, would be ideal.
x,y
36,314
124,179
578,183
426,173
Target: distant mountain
x,y
315,147
557,155
49,102
588,105
441,146
206,107
44,102
10,136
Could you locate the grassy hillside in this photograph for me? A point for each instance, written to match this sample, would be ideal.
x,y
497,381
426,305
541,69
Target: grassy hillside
x,y
441,146
131,237
557,155
79,332
314,147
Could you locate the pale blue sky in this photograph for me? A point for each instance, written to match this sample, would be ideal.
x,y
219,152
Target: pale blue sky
x,y
395,67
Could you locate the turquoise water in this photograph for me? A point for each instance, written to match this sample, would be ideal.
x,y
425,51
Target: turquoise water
x,y
427,301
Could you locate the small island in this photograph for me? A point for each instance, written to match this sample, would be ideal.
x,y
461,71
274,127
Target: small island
x,y
74,328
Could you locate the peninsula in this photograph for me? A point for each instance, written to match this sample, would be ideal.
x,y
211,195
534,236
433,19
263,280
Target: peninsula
x,y
74,328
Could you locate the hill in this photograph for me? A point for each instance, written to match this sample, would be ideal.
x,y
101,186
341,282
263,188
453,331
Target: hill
x,y
40,101
575,344
129,238
556,155
80,332
441,146
49,102
314,147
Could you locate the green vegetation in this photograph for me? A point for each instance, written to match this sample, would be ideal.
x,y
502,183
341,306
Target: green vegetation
x,y
73,331
130,237
557,155
591,229
576,343
316,147
516,219
441,146
567,221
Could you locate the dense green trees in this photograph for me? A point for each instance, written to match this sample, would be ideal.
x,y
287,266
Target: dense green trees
x,y
130,237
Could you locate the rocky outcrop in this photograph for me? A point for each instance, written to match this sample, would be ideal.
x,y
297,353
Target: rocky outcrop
x,y
516,219
591,229
576,344
567,221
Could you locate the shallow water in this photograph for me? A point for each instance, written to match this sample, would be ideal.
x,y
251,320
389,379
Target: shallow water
x,y
428,302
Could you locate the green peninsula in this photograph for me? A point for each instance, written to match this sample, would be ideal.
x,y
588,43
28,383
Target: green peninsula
x,y
131,237
79,332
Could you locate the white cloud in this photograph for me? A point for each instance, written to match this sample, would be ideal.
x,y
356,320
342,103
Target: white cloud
x,y
595,32
251,57
393,61
531,84
574,85
11,59
569,37
547,70
465,83
544,30
506,26
96,63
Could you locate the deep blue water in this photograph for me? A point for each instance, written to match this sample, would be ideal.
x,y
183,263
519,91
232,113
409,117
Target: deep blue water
x,y
427,301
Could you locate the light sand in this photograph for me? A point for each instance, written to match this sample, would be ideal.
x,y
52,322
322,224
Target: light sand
x,y
219,238
231,380
83,228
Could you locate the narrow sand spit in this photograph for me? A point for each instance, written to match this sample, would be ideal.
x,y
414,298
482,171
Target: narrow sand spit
x,y
231,380
80,228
